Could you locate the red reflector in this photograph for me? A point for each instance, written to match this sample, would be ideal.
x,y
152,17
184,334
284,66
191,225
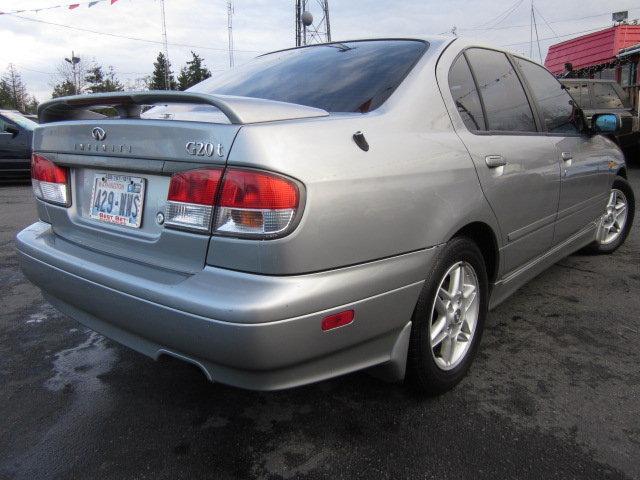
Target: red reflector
x,y
195,186
45,170
257,190
337,320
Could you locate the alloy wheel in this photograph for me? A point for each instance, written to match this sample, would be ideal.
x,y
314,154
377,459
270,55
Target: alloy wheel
x,y
454,315
614,219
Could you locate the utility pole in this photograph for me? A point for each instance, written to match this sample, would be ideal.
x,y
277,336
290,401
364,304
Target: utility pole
x,y
308,30
230,27
74,62
167,82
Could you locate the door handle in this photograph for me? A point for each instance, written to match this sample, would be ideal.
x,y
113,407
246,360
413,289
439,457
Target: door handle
x,y
566,156
495,161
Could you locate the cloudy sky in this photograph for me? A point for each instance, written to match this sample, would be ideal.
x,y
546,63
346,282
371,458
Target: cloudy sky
x,y
36,48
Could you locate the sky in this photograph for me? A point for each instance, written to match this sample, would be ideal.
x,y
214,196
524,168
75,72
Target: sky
x,y
36,48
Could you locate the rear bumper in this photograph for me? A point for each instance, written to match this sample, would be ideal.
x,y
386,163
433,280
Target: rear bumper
x,y
252,331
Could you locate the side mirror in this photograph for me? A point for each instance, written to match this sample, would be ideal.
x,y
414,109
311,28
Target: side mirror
x,y
12,130
606,123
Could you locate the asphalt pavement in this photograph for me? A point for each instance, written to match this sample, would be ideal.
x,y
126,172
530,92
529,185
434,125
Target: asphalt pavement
x,y
554,393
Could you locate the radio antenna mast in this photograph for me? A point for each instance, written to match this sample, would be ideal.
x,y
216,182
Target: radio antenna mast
x,y
308,30
230,13
167,84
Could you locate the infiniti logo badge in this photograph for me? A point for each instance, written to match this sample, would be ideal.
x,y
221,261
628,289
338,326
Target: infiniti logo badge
x,y
98,133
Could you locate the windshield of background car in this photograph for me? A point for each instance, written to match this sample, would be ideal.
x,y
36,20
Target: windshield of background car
x,y
605,96
338,77
20,120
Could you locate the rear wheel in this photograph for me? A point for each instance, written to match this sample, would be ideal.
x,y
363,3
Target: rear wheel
x,y
617,219
449,318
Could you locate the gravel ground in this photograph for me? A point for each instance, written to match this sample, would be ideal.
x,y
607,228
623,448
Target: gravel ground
x,y
554,393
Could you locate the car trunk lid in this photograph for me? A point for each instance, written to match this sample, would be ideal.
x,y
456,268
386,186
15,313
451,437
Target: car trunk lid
x,y
121,166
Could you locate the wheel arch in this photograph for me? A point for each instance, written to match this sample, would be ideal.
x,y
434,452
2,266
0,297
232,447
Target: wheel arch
x,y
622,172
485,237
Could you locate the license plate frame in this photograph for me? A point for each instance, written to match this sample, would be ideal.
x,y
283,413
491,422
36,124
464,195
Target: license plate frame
x,y
125,208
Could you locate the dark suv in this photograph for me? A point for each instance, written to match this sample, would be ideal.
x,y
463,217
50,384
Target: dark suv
x,y
16,132
607,96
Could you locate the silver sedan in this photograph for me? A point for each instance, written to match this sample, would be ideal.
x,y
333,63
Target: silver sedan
x,y
320,210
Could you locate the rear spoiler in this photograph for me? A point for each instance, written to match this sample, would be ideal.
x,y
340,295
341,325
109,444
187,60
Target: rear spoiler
x,y
239,110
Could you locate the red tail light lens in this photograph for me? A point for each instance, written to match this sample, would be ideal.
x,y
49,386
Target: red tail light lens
x,y
256,204
248,203
50,182
195,186
257,190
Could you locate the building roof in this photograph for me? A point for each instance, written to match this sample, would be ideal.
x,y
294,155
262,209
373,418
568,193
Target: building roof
x,y
593,49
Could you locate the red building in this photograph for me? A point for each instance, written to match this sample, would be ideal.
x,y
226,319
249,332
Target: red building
x,y
612,53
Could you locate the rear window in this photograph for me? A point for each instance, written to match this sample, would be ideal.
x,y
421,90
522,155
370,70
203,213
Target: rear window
x,y
337,77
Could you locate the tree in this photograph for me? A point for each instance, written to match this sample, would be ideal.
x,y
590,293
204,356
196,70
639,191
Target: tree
x,y
13,92
64,89
31,107
5,94
98,81
193,72
158,77
69,81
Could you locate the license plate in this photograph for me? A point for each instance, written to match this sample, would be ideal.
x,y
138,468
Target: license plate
x,y
118,199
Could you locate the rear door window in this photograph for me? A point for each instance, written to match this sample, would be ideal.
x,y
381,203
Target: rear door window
x,y
556,105
605,96
465,95
505,101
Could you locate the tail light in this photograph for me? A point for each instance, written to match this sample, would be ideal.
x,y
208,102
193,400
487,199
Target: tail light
x,y
255,204
50,182
240,203
191,199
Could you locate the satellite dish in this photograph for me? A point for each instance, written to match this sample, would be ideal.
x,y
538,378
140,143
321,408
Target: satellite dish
x,y
307,19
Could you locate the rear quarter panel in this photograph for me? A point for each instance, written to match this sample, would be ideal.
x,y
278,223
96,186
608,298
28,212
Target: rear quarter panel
x,y
412,189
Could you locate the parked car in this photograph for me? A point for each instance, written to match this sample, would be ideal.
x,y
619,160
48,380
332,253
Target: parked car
x,y
321,210
607,96
16,132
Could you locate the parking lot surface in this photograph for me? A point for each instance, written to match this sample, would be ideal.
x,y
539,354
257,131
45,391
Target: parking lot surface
x,y
554,393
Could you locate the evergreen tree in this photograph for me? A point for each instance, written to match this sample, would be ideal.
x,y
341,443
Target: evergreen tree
x,y
63,89
31,106
5,95
193,72
14,92
157,80
98,81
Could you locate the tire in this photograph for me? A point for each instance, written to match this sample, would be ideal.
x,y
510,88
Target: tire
x,y
608,241
427,369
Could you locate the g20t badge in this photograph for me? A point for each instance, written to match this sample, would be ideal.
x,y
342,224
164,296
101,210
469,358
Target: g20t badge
x,y
204,149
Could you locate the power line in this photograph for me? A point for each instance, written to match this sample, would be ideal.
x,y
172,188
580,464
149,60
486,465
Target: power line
x,y
137,39
545,20
507,12
553,38
573,19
